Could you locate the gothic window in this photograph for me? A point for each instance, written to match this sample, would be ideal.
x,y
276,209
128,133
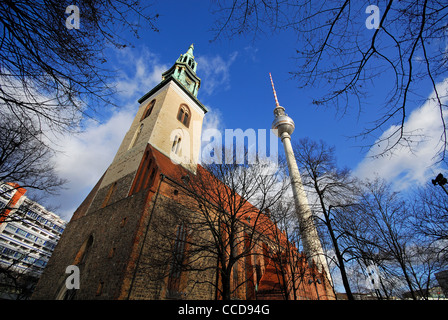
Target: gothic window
x,y
177,260
136,135
183,115
235,278
176,145
69,294
145,176
109,194
83,251
99,289
148,110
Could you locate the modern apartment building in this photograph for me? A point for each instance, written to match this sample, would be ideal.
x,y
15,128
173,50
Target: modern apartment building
x,y
28,235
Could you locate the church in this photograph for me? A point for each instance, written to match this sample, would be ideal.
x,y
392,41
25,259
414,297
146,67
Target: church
x,y
145,233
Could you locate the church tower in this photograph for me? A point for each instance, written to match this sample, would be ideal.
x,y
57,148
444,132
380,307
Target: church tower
x,y
169,119
105,236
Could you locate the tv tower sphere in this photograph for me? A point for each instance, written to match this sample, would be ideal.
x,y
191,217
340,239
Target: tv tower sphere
x,y
282,123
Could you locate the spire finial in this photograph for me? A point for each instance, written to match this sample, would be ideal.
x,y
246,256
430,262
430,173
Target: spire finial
x,y
190,50
273,89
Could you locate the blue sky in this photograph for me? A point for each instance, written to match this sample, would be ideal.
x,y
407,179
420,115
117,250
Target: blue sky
x,y
237,90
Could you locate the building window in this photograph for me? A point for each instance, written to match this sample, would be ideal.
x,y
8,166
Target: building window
x,y
148,110
109,194
136,135
145,175
183,115
176,145
111,253
177,261
99,289
80,257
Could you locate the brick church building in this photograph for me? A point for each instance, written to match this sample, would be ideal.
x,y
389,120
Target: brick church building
x,y
141,231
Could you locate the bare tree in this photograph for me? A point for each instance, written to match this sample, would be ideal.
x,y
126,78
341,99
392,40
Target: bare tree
x,y
17,283
53,74
430,215
298,280
352,49
26,161
386,216
217,232
334,188
24,157
232,199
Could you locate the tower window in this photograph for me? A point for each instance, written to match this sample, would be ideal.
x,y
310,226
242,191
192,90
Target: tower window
x,y
99,289
83,251
145,175
136,135
176,145
148,110
183,115
109,194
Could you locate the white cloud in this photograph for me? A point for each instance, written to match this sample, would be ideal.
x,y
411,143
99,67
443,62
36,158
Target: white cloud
x,y
86,156
416,163
215,72
138,72
212,120
251,53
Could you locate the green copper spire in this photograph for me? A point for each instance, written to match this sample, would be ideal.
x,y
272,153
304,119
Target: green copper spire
x,y
190,51
184,70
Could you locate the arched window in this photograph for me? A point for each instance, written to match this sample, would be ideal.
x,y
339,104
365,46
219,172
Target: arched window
x,y
183,115
143,179
178,262
109,194
80,257
136,135
176,145
148,109
70,294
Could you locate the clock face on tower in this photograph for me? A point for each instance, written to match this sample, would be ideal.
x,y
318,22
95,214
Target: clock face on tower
x,y
188,83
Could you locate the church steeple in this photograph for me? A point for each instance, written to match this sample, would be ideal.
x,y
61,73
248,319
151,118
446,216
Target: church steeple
x,y
184,71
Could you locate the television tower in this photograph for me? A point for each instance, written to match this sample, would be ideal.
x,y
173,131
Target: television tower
x,y
283,127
